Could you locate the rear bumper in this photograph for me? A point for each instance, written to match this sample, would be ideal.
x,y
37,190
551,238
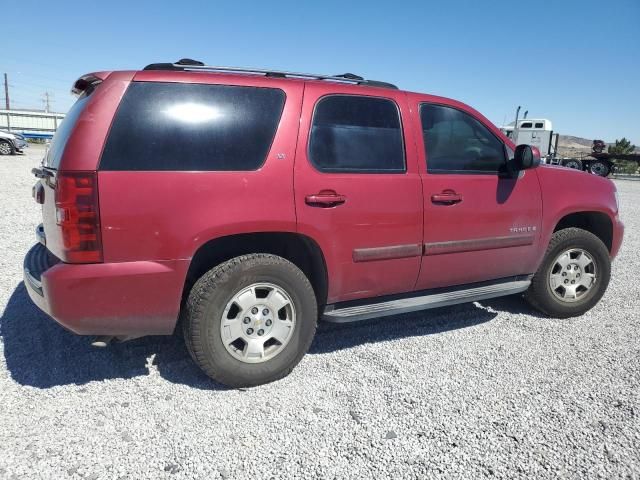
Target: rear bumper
x,y
618,234
128,298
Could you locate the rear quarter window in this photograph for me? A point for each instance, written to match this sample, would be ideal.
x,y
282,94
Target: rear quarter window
x,y
54,154
194,127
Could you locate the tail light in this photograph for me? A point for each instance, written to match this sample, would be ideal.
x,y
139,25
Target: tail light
x,y
78,215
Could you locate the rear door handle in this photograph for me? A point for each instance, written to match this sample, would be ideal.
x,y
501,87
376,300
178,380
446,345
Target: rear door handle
x,y
446,198
325,199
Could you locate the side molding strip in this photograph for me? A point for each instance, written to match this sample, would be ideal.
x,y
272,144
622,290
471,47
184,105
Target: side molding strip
x,y
434,300
456,246
386,253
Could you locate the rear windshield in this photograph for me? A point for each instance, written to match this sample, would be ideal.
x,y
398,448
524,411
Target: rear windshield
x,y
180,126
54,155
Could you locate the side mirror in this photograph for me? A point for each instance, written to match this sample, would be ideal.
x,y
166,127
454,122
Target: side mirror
x,y
526,157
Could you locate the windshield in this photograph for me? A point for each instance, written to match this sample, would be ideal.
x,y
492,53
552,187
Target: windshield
x,y
63,133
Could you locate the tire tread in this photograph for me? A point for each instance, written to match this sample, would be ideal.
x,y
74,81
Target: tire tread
x,y
538,296
194,315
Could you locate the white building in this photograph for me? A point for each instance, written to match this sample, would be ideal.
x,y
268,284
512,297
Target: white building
x,y
30,123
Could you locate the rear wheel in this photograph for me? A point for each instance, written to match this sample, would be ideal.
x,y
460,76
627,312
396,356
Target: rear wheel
x,y
573,163
6,148
250,320
573,276
600,168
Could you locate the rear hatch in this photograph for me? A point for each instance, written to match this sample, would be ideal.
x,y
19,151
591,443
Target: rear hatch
x,y
70,211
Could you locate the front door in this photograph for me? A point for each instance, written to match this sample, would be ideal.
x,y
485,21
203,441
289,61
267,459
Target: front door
x,y
478,224
357,189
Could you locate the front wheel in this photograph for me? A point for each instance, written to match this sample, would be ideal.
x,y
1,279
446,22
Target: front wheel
x,y
573,276
250,320
6,148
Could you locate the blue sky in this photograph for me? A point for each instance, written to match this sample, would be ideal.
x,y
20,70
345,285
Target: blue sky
x,y
575,62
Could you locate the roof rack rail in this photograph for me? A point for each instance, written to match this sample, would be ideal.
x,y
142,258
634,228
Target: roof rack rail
x,y
194,65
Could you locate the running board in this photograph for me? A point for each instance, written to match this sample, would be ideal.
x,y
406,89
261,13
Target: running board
x,y
423,302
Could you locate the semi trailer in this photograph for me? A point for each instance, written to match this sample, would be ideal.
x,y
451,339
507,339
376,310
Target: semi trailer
x,y
538,132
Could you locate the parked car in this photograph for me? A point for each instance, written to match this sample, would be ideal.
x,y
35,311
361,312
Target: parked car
x,y
11,143
249,204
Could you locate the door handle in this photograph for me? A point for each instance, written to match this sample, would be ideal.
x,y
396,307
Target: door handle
x,y
325,199
446,198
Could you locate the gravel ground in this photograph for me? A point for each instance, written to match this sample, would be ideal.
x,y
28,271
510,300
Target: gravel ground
x,y
481,390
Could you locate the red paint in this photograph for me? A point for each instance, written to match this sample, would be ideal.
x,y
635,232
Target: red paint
x,y
371,228
380,210
136,298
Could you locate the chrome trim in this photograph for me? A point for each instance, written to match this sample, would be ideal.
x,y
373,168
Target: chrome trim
x,y
434,300
35,284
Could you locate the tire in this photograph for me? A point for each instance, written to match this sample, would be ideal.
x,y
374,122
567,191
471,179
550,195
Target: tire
x,y
600,168
6,148
541,294
211,304
573,163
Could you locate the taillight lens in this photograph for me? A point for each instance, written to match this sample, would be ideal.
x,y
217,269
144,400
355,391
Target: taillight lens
x,y
78,215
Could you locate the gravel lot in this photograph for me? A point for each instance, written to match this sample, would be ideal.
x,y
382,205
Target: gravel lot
x,y
480,390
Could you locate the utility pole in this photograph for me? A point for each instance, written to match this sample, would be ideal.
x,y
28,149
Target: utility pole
x,y
46,102
6,101
6,93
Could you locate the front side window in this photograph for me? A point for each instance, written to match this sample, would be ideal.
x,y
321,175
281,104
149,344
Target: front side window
x,y
526,125
195,127
356,134
455,142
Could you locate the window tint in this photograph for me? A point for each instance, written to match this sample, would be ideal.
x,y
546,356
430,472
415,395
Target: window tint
x,y
180,126
456,142
54,155
526,125
539,125
356,134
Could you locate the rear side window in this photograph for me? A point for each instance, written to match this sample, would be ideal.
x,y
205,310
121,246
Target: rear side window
x,y
356,134
540,125
455,142
54,155
180,126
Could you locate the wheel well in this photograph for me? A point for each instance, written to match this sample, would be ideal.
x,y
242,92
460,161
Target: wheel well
x,y
595,222
300,250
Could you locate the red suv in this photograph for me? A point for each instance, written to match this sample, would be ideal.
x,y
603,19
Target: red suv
x,y
250,203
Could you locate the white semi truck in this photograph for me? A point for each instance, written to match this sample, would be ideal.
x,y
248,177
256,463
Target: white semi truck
x,y
538,132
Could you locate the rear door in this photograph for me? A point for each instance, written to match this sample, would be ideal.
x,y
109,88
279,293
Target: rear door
x,y
357,189
479,225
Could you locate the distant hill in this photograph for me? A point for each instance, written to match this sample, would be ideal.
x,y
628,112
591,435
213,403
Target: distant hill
x,y
574,142
569,145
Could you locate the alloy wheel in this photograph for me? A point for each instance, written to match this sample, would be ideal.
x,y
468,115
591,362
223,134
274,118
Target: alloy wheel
x,y
572,275
258,322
